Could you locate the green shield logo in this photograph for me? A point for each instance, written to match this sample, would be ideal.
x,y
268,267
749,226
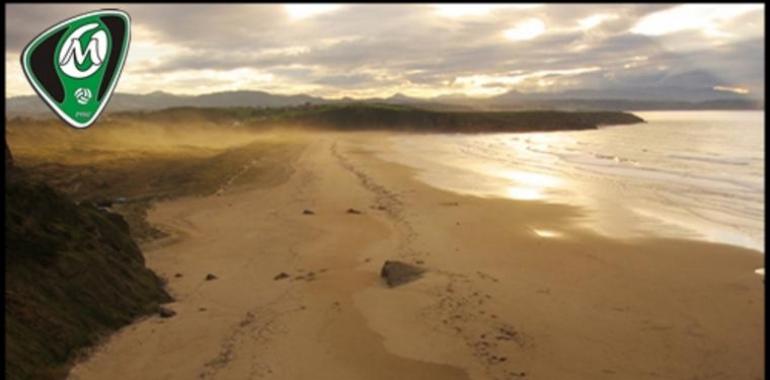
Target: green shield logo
x,y
75,65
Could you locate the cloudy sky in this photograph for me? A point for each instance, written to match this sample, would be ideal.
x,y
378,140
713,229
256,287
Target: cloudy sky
x,y
419,50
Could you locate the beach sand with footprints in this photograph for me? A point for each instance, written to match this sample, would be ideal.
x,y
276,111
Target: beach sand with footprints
x,y
298,295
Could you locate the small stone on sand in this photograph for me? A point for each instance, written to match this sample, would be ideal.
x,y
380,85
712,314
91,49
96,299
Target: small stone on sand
x,y
398,273
165,312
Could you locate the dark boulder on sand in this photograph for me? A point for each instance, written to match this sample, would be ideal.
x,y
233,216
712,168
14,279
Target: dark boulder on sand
x,y
398,273
165,312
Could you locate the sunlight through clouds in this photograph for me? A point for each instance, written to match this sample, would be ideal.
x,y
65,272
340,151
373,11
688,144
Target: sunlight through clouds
x,y
737,90
460,10
705,17
595,20
526,30
303,11
425,50
531,81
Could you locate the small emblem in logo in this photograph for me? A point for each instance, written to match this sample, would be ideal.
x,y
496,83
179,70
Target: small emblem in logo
x,y
74,65
83,95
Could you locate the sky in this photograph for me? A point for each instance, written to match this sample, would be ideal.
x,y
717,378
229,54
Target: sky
x,y
419,50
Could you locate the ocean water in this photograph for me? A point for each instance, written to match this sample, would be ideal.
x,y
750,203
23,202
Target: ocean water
x,y
693,174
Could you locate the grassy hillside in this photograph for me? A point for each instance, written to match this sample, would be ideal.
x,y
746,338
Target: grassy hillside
x,y
73,274
133,163
389,117
367,116
346,117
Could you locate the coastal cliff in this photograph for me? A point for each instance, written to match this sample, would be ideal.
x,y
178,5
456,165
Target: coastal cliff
x,y
73,274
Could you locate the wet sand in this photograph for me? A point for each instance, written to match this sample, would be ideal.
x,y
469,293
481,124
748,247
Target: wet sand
x,y
498,301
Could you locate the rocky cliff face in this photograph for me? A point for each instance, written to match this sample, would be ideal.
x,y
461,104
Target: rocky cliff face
x,y
73,274
8,157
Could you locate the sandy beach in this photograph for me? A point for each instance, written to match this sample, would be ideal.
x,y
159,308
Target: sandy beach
x,y
498,300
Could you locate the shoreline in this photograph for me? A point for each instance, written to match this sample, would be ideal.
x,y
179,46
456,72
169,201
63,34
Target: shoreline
x,y
628,191
496,302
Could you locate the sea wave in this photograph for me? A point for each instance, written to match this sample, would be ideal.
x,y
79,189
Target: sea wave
x,y
713,160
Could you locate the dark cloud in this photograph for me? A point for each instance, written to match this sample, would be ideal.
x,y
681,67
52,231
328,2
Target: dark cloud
x,y
23,21
358,45
193,25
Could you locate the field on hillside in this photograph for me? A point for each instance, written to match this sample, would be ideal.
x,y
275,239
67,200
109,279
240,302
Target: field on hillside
x,y
129,164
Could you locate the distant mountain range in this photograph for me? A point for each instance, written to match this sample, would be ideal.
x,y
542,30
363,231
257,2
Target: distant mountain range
x,y
630,99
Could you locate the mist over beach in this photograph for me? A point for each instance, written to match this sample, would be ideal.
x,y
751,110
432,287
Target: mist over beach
x,y
395,191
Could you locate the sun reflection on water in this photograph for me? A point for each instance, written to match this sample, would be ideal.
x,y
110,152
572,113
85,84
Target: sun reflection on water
x,y
527,185
547,233
523,193
531,178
